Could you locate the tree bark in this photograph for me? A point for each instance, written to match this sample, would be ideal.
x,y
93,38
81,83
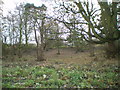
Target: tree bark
x,y
40,56
26,34
91,50
90,39
111,50
58,50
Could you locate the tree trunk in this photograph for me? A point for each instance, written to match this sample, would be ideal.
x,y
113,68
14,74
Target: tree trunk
x,y
58,41
20,49
58,53
26,38
111,50
20,40
26,34
40,56
91,50
90,44
40,53
20,43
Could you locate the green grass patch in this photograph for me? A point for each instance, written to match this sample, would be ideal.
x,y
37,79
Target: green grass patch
x,y
72,76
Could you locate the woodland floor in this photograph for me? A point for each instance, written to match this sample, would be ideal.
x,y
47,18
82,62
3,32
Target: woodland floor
x,y
67,59
67,56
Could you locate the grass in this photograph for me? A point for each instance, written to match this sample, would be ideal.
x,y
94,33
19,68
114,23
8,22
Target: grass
x,y
72,76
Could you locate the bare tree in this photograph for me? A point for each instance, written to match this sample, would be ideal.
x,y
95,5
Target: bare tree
x,y
38,17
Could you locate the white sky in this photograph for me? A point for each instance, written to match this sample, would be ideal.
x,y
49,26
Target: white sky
x,y
11,4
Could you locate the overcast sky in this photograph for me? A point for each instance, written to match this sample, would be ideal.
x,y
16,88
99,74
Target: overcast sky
x,y
11,4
